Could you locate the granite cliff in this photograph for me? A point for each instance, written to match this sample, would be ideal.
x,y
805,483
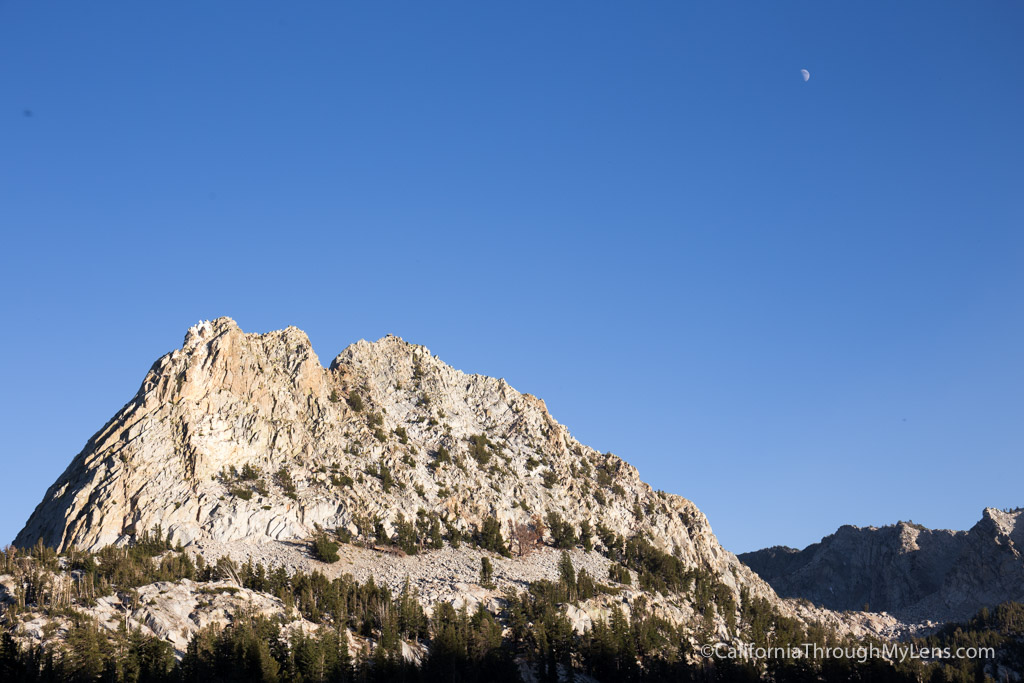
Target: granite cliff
x,y
424,436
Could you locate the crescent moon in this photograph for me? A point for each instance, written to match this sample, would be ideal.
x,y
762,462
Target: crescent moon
x,y
806,74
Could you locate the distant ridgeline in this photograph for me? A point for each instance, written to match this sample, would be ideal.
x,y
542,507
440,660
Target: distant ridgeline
x,y
905,569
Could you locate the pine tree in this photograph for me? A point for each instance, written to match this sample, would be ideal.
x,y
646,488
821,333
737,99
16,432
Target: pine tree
x,y
567,574
85,650
491,538
405,535
486,572
436,539
586,534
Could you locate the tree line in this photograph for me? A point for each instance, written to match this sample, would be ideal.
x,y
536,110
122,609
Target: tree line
x,y
366,632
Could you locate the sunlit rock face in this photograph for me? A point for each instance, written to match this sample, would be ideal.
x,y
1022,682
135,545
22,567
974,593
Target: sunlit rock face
x,y
228,402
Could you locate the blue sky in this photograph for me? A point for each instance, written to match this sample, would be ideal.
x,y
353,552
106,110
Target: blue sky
x,y
797,304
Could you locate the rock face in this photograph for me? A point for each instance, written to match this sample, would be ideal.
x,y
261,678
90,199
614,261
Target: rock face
x,y
905,569
247,437
170,611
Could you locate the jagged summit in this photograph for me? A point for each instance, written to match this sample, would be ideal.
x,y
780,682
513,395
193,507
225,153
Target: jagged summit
x,y
247,436
905,568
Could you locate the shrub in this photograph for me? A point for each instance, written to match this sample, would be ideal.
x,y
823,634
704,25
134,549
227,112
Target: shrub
x,y
284,480
549,478
403,436
386,480
480,448
324,549
249,473
355,401
244,494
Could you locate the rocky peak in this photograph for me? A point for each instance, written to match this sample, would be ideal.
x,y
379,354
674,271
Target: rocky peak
x,y
1006,526
907,569
387,432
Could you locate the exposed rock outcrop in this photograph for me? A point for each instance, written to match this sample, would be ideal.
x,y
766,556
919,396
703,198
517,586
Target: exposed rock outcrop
x,y
247,437
906,569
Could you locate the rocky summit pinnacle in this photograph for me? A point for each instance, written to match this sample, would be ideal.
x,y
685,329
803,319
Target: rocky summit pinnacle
x,y
241,436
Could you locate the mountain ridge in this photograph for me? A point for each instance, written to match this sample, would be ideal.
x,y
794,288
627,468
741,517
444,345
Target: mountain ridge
x,y
241,457
227,399
907,569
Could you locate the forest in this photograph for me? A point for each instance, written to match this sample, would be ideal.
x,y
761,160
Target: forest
x,y
364,632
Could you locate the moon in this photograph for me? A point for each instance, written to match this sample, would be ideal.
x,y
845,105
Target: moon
x,y
806,74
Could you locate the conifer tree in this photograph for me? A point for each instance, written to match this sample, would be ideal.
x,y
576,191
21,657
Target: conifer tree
x,y
486,572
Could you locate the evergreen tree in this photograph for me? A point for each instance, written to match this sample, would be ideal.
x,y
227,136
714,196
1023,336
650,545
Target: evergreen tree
x,y
405,535
85,651
436,539
586,536
486,572
491,538
566,572
562,534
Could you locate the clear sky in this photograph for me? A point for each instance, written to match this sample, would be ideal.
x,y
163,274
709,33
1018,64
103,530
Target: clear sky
x,y
798,304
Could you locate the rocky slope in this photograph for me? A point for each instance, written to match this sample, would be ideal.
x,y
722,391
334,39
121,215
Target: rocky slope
x,y
905,569
175,611
247,438
172,611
